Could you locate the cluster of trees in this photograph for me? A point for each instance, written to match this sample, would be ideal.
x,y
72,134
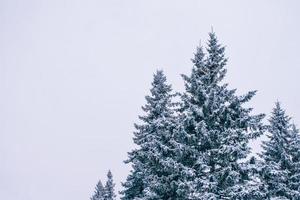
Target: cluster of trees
x,y
106,192
197,148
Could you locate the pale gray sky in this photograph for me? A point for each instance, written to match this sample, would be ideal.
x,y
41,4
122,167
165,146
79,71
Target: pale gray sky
x,y
73,75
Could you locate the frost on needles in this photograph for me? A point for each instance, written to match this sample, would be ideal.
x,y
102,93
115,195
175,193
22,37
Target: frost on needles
x,y
215,129
197,148
281,157
155,170
196,152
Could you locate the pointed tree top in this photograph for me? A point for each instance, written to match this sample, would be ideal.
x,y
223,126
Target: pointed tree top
x,y
109,174
159,85
99,192
159,77
109,187
100,185
212,29
212,38
198,59
278,114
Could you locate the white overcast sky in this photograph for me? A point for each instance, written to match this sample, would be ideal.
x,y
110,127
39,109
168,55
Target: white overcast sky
x,y
73,76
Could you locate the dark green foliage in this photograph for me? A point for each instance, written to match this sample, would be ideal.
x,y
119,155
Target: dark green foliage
x,y
155,171
99,192
109,187
107,192
280,171
216,128
200,150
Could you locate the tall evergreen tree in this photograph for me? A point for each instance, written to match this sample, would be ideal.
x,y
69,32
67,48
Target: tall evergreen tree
x,y
155,171
109,187
215,129
99,192
280,156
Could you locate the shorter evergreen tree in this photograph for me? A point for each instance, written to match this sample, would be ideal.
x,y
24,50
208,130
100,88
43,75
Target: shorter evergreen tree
x,y
99,192
107,192
294,182
155,173
109,187
280,170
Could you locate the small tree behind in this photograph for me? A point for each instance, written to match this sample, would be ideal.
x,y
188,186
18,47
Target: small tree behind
x,y
99,192
107,192
280,172
109,187
155,173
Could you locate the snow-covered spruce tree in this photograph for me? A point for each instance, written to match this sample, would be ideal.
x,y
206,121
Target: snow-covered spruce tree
x,y
215,129
155,172
163,172
99,192
294,181
280,155
109,187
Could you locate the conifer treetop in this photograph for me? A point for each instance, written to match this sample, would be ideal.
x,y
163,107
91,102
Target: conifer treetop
x,y
99,192
109,187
